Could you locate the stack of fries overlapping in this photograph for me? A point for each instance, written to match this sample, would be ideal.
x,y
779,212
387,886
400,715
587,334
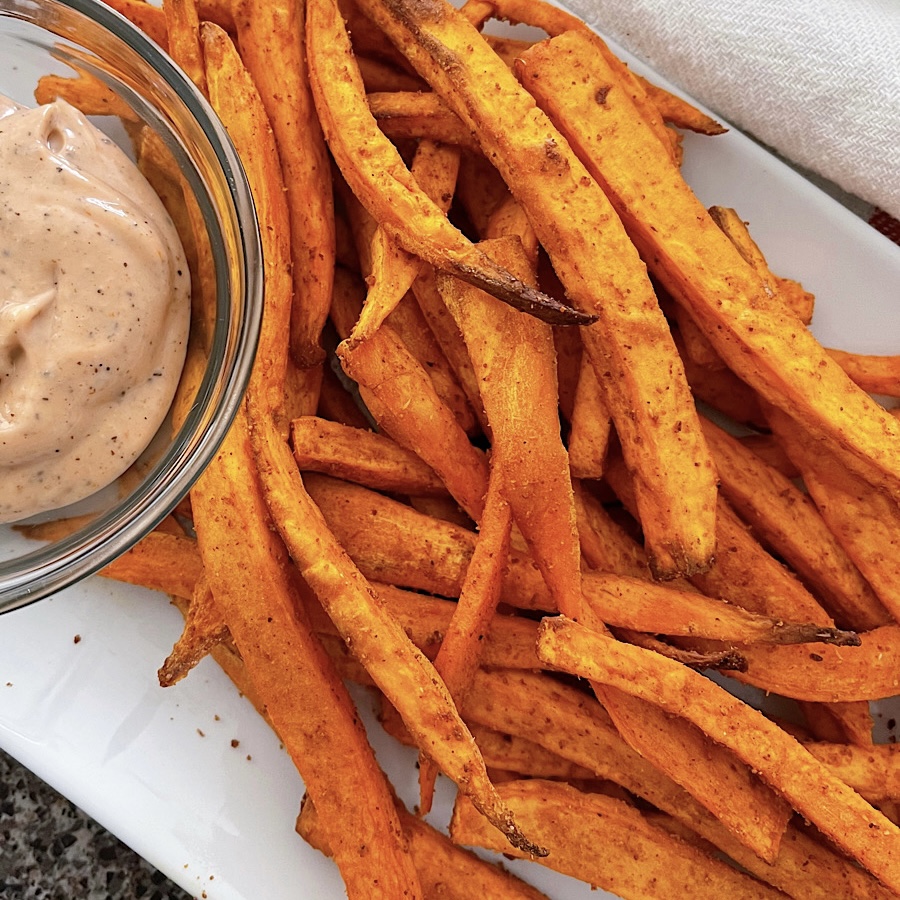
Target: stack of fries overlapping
x,y
470,471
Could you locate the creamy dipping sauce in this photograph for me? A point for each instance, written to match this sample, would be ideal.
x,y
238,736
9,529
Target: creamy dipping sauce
x,y
94,309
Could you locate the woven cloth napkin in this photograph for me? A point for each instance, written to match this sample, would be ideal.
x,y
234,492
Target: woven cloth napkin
x,y
816,80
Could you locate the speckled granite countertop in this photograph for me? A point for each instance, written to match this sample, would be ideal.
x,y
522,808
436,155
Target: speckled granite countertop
x,y
50,850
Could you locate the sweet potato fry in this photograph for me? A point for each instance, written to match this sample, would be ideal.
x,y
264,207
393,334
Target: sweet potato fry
x,y
408,114
183,33
461,649
445,869
826,801
827,674
589,426
375,636
608,843
755,333
420,350
270,37
865,521
366,457
786,519
408,322
85,92
204,628
744,573
515,361
387,268
678,112
873,772
411,412
874,374
502,752
604,545
849,723
577,728
791,292
383,183
389,540
162,562
639,605
446,333
382,77
630,344
149,17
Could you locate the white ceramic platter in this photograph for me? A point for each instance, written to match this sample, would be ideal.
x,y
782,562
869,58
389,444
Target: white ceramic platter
x,y
189,776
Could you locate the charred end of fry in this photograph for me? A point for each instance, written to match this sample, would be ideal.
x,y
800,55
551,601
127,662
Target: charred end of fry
x,y
675,561
520,296
506,823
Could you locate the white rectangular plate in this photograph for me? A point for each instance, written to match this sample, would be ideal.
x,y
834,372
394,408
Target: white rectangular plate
x,y
190,777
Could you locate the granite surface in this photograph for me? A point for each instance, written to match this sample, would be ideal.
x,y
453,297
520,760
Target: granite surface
x,y
50,850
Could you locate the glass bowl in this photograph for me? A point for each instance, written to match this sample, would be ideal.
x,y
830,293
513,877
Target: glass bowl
x,y
85,38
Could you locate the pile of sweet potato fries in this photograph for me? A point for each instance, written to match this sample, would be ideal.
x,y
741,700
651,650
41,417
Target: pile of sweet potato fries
x,y
533,443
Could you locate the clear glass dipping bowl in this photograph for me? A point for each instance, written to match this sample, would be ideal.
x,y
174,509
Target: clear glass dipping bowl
x,y
67,37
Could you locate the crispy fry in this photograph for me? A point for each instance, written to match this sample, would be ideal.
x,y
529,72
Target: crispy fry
x,y
387,268
447,334
445,869
407,114
514,358
149,17
270,36
461,648
679,112
416,350
362,456
183,33
204,628
555,20
87,93
426,426
791,292
577,728
388,540
786,519
375,636
676,748
744,573
590,426
865,521
829,675
381,77
385,186
162,562
639,605
837,810
608,843
845,723
874,374
770,348
874,772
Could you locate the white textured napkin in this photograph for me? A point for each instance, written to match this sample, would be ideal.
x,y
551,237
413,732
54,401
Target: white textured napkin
x,y
817,80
